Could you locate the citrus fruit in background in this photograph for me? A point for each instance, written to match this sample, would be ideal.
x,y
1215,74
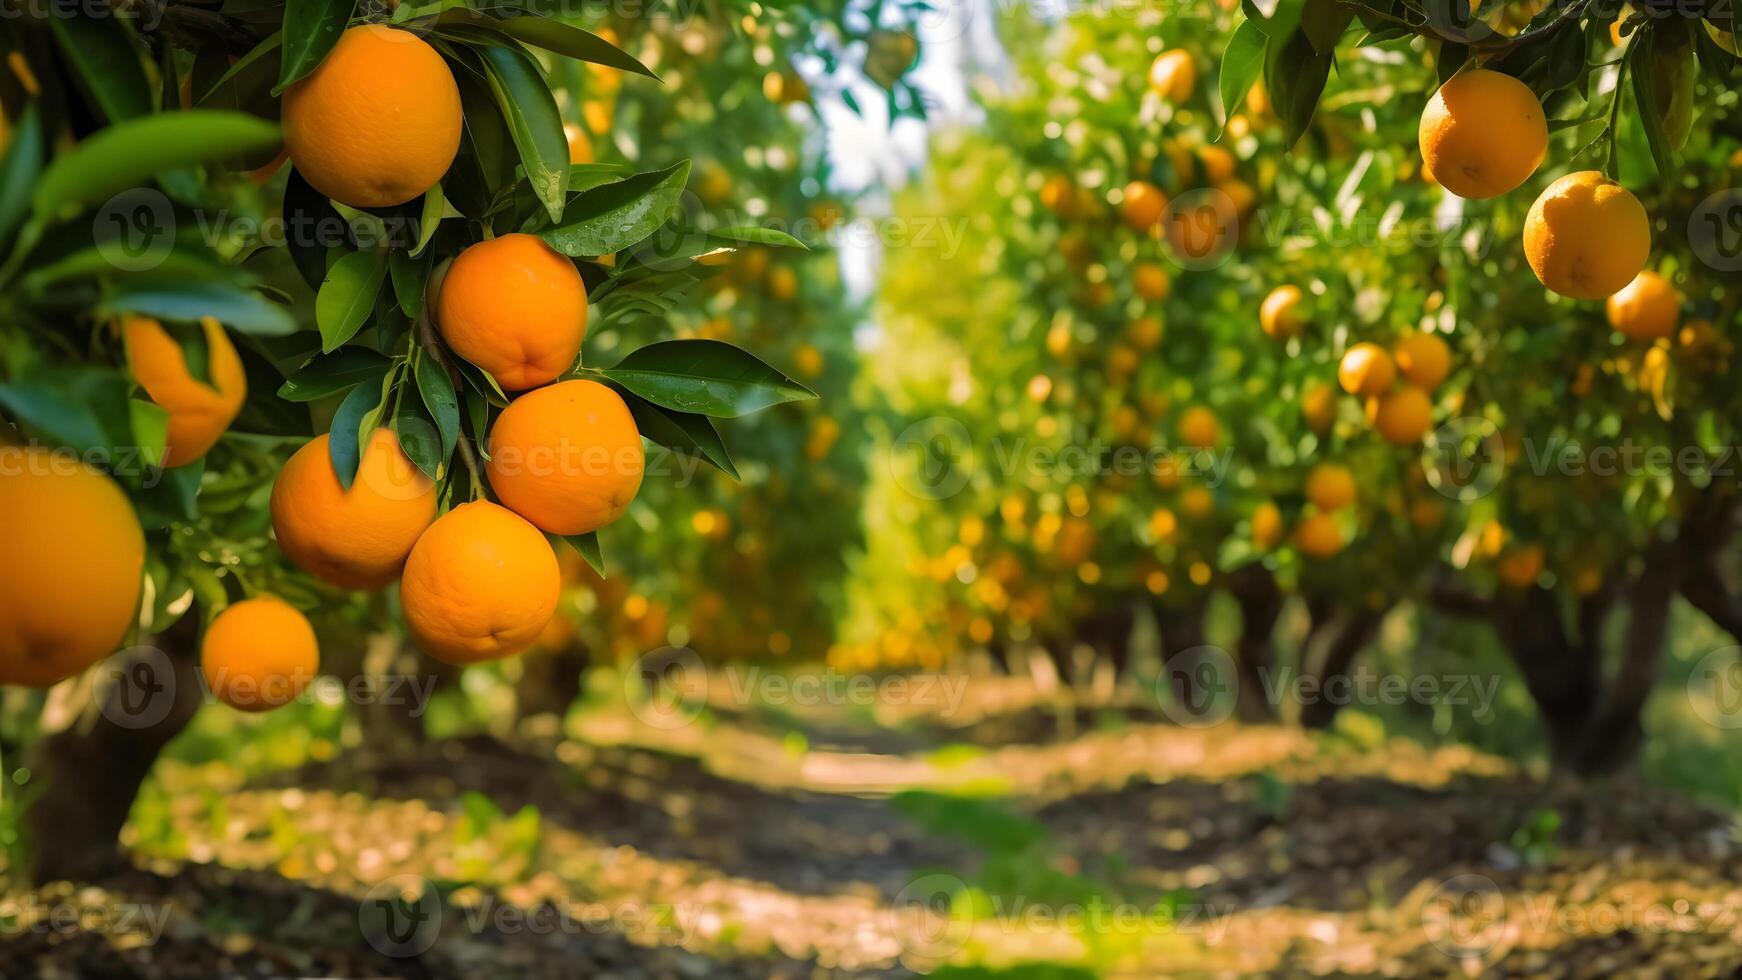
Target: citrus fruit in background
x,y
1586,237
1423,359
1519,567
1483,134
1144,332
1218,164
1058,194
580,147
1318,536
1199,429
1142,205
1330,487
378,123
1150,281
259,654
1318,406
199,410
481,584
356,538
515,307
1365,370
75,557
1404,416
1173,76
1280,314
1266,526
1646,308
568,457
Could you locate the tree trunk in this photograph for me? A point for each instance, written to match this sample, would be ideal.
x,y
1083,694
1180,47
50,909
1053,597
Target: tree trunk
x,y
1331,659
550,681
1614,733
1190,680
91,770
1261,602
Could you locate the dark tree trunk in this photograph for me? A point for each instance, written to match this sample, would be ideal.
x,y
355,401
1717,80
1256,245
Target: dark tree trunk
x,y
1261,602
91,770
1563,672
400,683
1331,657
1614,733
1109,633
550,681
1188,677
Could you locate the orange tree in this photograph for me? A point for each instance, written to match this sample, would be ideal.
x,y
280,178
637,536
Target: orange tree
x,y
1353,340
227,232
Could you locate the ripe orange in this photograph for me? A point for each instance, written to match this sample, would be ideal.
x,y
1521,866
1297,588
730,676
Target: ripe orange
x,y
356,538
1318,536
1423,359
1646,308
259,654
515,307
1280,314
1404,416
1199,429
580,147
1318,406
480,585
1483,134
1058,194
1218,164
1266,526
378,123
1586,237
1519,567
1366,369
1198,503
1142,205
1144,332
1150,281
568,457
1173,76
199,412
75,554
782,283
1330,487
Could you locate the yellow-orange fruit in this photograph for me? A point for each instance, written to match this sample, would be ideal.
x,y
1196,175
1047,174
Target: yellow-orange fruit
x,y
1173,75
378,123
1519,567
1330,487
259,654
1150,281
1366,369
1318,536
199,411
1266,526
75,557
1646,308
515,307
356,538
580,147
1404,416
1423,359
1483,134
1318,406
1145,332
1142,205
1586,237
1199,429
568,457
481,584
1218,164
1280,313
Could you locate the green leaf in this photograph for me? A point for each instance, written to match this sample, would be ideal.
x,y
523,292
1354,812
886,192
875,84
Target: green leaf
x,y
419,438
19,171
478,417
237,308
150,430
437,388
680,431
312,226
311,28
1242,63
343,444
347,296
542,32
1647,103
586,176
1295,75
482,382
753,235
266,48
588,545
410,276
1324,21
107,64
128,153
435,206
534,122
705,377
614,216
328,374
53,407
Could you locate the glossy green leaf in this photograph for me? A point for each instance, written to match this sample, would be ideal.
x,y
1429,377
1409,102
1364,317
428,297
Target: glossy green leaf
x,y
752,235
534,122
311,28
19,171
129,153
107,62
329,374
343,444
1242,64
436,387
614,216
681,431
705,377
235,307
347,296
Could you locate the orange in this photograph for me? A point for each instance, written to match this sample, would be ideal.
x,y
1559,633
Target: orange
x,y
1199,429
1404,416
1318,536
1280,314
1058,194
481,585
1198,503
1145,332
782,283
568,457
1366,369
1318,406
1330,487
580,147
75,555
1586,237
1203,228
1173,75
515,307
356,538
1646,308
1218,164
1142,205
199,411
1423,359
1266,526
1150,281
1483,133
1519,567
378,123
259,654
